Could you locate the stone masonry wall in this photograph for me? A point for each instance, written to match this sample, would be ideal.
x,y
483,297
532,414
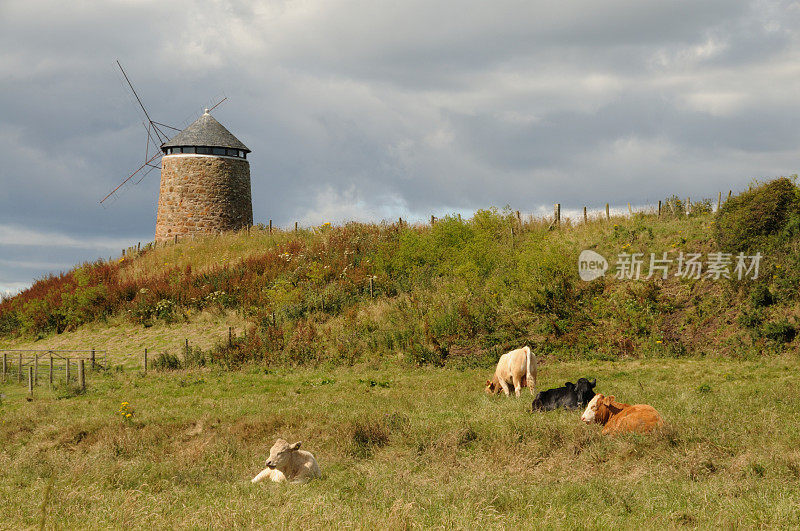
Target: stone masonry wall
x,y
203,194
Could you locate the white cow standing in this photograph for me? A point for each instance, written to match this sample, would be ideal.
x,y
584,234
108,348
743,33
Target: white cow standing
x,y
286,462
514,368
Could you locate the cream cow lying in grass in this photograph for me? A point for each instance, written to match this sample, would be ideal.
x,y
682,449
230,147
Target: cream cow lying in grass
x,y
286,462
514,368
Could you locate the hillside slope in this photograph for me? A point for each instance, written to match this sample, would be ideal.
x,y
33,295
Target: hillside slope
x,y
457,292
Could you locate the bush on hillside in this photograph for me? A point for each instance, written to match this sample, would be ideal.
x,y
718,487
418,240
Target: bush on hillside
x,y
166,362
757,220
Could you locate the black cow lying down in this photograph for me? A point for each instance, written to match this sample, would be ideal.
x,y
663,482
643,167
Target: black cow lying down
x,y
571,396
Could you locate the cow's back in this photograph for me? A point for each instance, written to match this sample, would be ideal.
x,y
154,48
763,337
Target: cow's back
x,y
639,418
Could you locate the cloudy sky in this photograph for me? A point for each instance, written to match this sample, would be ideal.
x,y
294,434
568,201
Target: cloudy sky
x,y
377,109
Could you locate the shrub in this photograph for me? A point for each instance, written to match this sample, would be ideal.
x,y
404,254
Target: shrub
x,y
779,331
166,362
758,218
760,296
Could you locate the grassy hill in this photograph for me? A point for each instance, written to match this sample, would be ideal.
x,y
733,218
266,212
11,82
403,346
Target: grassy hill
x,y
457,292
385,387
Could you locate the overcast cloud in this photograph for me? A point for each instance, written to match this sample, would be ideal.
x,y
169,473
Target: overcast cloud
x,y
371,110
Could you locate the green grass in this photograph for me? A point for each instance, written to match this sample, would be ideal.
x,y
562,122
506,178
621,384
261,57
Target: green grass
x,y
402,447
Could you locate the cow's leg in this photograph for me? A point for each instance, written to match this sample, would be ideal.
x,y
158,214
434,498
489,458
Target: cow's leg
x,y
517,384
277,476
504,385
264,474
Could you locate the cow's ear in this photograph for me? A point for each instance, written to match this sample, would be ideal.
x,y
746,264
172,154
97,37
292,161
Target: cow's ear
x,y
593,382
295,446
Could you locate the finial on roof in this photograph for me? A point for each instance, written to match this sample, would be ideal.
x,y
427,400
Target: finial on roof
x,y
206,111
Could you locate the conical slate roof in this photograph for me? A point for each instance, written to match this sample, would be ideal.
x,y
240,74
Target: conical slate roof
x,y
205,131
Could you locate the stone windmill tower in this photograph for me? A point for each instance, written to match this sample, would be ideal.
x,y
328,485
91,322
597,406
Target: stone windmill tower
x,y
205,182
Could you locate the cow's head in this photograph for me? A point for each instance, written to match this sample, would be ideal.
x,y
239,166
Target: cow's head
x,y
492,386
585,390
591,409
280,452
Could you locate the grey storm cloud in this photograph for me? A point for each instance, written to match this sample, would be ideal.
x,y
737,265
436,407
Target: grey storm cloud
x,y
371,110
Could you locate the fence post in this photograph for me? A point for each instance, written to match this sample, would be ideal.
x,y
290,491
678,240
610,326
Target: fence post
x,y
81,375
139,247
270,227
585,216
719,201
688,205
729,193
92,359
36,370
519,218
185,347
659,208
230,336
176,239
145,361
608,216
433,219
51,370
630,212
30,380
370,286
66,371
295,226
5,366
558,214
19,370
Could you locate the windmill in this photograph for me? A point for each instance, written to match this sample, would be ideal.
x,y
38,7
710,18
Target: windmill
x,y
156,136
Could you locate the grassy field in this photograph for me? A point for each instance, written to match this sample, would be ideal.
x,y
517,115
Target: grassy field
x,y
402,447
124,342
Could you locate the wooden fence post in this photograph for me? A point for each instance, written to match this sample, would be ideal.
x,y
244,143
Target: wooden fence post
x,y
295,226
36,370
92,359
51,370
270,227
719,201
558,214
185,347
5,366
145,361
433,219
608,216
81,375
230,336
630,212
66,371
585,216
729,193
519,218
138,247
176,239
30,380
19,370
659,208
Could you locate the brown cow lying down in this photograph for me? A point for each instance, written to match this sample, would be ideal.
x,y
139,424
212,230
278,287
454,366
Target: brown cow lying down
x,y
514,368
621,418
